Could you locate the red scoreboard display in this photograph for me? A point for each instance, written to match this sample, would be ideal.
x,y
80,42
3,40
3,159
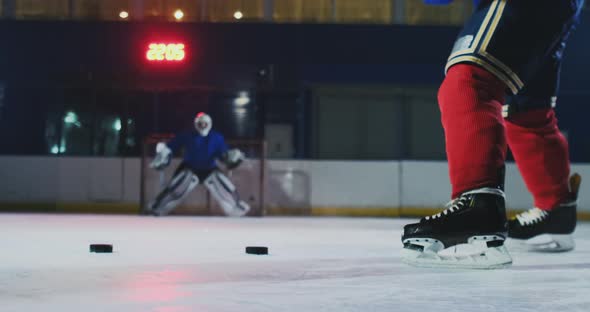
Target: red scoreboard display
x,y
161,52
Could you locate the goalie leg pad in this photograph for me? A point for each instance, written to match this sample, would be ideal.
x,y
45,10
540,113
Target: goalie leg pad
x,y
181,184
226,195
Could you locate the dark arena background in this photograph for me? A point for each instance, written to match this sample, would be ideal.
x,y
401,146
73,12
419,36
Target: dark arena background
x,y
333,103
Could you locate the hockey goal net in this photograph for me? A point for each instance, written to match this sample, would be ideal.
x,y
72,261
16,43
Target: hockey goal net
x,y
249,178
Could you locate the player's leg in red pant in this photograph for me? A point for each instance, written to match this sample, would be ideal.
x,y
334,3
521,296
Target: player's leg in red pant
x,y
470,101
541,154
471,231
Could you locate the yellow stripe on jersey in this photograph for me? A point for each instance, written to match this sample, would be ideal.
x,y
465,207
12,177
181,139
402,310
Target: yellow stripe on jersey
x,y
482,56
494,25
483,63
490,58
480,33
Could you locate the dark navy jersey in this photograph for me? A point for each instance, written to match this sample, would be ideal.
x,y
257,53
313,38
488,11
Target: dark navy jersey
x,y
200,152
521,42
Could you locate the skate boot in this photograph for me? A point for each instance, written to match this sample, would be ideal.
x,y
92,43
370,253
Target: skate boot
x,y
469,233
550,231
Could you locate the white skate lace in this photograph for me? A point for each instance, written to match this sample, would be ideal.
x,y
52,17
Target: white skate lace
x,y
461,201
452,206
531,216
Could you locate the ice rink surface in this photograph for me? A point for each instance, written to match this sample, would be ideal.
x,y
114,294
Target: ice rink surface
x,y
178,264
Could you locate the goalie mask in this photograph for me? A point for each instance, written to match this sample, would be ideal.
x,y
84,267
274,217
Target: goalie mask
x,y
203,124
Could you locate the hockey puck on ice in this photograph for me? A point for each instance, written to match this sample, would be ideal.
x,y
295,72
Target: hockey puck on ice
x,y
257,250
101,248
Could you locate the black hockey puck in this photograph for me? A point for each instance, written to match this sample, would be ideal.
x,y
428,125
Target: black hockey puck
x,y
101,248
257,250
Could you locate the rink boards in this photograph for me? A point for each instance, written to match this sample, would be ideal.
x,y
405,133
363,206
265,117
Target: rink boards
x,y
351,188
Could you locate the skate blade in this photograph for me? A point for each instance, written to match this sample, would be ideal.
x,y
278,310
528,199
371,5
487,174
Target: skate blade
x,y
472,255
543,243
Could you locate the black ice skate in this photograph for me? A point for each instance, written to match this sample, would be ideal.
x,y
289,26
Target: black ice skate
x,y
551,231
469,233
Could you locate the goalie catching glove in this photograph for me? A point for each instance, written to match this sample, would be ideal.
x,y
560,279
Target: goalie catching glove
x,y
163,157
232,158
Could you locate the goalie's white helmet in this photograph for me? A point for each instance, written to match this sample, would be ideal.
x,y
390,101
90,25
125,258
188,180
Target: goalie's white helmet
x,y
203,123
